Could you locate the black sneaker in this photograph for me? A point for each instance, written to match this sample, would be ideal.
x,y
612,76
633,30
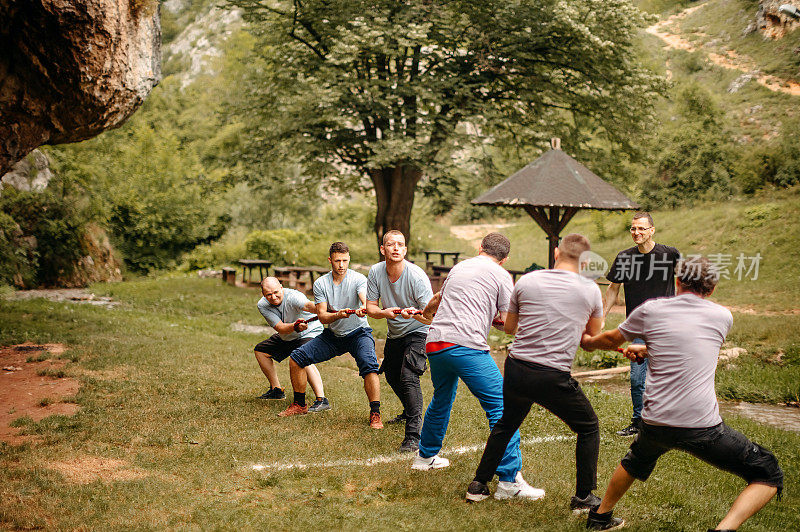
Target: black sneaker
x,y
409,445
273,393
477,491
630,430
579,506
604,521
399,418
320,405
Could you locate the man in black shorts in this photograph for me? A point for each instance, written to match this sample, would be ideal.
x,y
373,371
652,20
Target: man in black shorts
x,y
286,310
682,336
646,270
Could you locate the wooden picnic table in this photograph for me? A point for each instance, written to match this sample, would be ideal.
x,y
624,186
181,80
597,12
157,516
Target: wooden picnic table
x,y
292,275
442,256
248,265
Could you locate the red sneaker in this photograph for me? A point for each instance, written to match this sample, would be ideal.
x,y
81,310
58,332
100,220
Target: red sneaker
x,y
296,409
375,420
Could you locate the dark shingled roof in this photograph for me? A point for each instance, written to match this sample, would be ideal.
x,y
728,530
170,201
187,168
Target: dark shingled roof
x,y
556,180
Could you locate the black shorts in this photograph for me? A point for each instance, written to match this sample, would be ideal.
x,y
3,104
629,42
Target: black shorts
x,y
279,349
720,446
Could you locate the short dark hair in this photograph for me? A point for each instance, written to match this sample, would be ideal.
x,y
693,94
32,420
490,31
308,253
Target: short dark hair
x,y
338,247
496,245
392,232
572,246
644,214
697,274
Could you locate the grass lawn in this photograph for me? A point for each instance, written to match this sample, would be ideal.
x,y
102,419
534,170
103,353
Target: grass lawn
x,y
168,390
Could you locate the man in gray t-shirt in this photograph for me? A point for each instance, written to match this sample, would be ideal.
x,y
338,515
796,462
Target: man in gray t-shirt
x,y
402,289
294,319
683,335
340,298
548,312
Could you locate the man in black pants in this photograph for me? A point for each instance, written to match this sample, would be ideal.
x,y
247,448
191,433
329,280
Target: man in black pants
x,y
682,336
402,288
549,310
646,270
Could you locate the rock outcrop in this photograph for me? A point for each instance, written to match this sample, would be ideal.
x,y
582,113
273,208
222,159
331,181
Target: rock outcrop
x,y
771,22
70,69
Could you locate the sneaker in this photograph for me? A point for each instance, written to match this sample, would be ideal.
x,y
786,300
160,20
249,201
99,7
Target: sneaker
x,y
604,521
409,445
517,489
273,393
320,405
375,420
399,418
425,464
294,410
580,506
477,491
630,430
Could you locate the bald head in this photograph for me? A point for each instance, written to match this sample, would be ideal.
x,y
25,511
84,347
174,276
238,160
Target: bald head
x,y
272,289
271,283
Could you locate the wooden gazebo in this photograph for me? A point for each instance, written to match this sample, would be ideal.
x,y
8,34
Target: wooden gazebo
x,y
552,189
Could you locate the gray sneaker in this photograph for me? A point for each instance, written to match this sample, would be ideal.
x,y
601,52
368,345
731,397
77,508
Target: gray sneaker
x,y
319,405
579,506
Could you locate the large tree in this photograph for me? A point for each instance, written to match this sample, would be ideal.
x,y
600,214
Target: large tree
x,y
390,90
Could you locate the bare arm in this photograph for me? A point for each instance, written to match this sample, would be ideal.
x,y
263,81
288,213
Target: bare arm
x,y
375,311
607,340
326,317
362,310
310,307
612,292
432,306
511,320
594,326
284,328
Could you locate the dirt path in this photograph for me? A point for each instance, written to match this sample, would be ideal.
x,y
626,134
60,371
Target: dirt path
x,y
474,233
30,386
730,60
70,295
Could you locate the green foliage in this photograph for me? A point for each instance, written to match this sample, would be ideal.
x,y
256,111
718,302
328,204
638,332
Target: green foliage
x,y
280,246
214,255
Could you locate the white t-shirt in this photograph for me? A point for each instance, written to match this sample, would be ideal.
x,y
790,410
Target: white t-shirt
x,y
411,289
683,335
473,293
289,311
342,296
553,308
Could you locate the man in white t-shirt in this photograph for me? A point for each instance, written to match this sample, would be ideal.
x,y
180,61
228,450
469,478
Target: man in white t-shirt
x,y
683,335
401,288
475,292
548,312
287,311
340,298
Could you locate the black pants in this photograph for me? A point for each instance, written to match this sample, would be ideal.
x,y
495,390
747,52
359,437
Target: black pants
x,y
525,383
404,361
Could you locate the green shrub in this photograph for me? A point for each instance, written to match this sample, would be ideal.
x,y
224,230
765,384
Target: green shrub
x,y
214,255
280,246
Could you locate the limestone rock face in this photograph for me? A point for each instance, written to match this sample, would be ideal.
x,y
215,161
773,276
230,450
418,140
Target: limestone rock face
x,y
771,22
70,69
31,173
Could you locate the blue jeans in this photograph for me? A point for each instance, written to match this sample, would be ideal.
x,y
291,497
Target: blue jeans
x,y
638,377
479,372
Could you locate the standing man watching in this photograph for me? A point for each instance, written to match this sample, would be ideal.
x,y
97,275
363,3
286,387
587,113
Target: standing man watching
x,y
682,337
340,297
473,294
647,270
401,287
286,310
548,312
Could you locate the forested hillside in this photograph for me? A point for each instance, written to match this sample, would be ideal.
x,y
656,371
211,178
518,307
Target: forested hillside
x,y
206,161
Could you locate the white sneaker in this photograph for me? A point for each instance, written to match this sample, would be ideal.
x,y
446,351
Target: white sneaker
x,y
425,464
517,489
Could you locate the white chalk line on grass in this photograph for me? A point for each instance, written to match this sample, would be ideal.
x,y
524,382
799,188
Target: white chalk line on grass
x,y
386,459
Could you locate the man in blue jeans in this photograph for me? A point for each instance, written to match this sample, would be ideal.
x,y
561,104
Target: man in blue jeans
x,y
473,294
646,270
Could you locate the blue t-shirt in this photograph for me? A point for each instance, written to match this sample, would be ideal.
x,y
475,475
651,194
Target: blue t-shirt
x,y
411,289
289,311
341,296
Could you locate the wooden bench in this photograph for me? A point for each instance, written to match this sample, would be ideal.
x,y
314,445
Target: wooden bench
x,y
248,265
442,256
299,277
229,276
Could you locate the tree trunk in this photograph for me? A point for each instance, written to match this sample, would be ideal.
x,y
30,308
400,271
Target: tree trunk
x,y
394,195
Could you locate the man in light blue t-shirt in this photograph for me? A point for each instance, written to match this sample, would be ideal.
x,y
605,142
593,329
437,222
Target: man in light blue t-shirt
x,y
402,288
340,297
293,317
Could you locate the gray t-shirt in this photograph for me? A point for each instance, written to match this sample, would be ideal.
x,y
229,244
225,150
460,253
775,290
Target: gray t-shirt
x,y
683,335
473,293
342,296
553,308
289,311
411,289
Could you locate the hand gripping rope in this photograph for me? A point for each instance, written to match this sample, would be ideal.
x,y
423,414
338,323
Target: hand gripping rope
x,y
300,321
639,359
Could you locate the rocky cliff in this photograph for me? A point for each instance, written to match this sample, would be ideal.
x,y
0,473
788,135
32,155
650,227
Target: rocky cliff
x,y
70,69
